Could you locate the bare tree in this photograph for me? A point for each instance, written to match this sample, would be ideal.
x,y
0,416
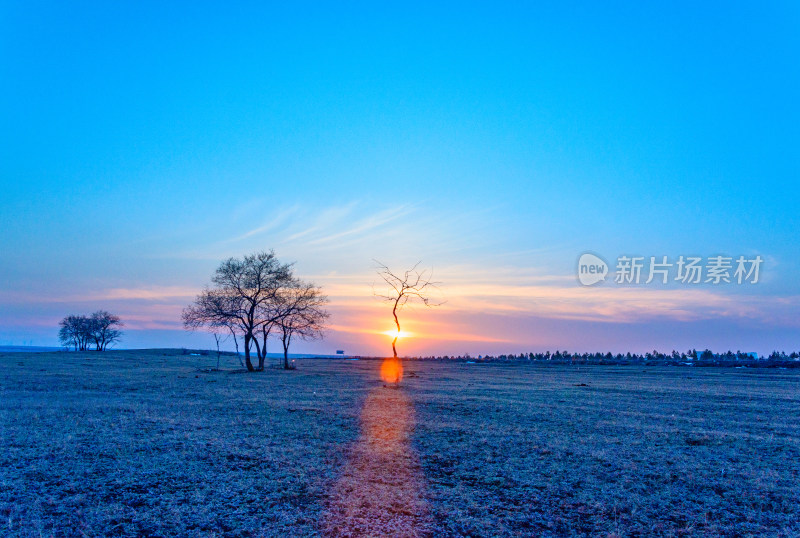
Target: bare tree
x,y
244,289
255,280
105,329
73,332
411,285
218,339
269,314
300,313
217,311
101,329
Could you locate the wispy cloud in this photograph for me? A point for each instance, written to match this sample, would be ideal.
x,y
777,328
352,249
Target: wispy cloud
x,y
368,224
276,222
148,293
512,292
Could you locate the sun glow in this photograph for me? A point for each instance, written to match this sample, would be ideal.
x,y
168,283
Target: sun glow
x,y
395,333
391,371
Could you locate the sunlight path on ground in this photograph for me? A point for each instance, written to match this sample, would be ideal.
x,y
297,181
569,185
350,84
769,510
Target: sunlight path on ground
x,y
380,491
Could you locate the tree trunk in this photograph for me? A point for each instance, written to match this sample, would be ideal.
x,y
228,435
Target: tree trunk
x,y
396,322
216,339
247,361
258,351
286,341
262,357
236,343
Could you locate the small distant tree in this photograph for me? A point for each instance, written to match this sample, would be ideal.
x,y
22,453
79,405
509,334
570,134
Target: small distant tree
x,y
410,285
72,332
101,329
301,314
218,339
105,329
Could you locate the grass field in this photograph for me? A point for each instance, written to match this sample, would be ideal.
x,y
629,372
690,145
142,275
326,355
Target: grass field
x,y
152,443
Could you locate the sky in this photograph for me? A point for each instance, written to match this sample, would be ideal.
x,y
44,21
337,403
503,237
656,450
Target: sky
x,y
141,144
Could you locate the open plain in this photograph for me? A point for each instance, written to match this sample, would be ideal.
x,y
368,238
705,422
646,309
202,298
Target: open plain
x,y
154,442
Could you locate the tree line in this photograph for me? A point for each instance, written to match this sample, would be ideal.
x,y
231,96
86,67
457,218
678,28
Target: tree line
x,y
100,329
675,358
257,297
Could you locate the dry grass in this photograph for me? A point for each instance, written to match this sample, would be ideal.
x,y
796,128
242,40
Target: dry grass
x,y
128,443
381,488
137,443
670,451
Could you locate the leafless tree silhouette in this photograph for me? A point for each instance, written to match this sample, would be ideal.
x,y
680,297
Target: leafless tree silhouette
x,y
101,329
412,285
300,313
244,288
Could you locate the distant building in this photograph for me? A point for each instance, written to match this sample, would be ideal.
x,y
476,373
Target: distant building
x,y
340,352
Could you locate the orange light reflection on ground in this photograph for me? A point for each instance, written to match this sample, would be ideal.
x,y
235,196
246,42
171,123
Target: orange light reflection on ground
x,y
381,490
391,371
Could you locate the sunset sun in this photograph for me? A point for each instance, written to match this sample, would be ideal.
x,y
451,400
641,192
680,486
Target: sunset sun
x,y
399,334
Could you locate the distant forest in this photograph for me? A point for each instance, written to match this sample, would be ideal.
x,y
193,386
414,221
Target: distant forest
x,y
690,358
777,359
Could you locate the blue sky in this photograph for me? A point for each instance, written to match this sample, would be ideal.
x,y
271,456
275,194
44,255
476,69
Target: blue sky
x,y
142,144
